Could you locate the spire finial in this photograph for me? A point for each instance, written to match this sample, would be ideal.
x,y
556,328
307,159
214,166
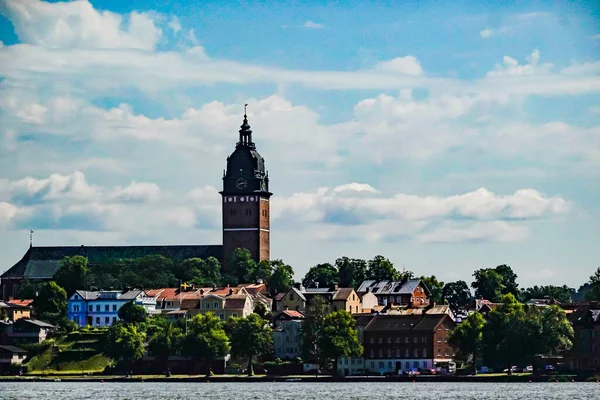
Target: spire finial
x,y
31,238
245,105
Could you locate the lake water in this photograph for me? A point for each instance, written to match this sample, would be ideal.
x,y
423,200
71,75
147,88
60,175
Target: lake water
x,y
298,391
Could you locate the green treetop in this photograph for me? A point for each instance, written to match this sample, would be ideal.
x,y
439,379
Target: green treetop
x,y
206,339
339,337
251,337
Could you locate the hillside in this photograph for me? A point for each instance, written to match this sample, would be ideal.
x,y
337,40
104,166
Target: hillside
x,y
77,352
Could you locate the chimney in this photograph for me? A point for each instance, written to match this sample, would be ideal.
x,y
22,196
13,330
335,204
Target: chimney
x,y
335,287
230,291
286,308
201,291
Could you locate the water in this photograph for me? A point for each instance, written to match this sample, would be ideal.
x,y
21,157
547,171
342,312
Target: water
x,y
298,391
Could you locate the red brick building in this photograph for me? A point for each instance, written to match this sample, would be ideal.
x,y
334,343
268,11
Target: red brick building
x,y
585,353
395,343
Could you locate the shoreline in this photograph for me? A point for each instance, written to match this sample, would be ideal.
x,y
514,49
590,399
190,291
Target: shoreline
x,y
294,379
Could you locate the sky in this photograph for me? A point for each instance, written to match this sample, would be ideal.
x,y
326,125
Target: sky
x,y
446,136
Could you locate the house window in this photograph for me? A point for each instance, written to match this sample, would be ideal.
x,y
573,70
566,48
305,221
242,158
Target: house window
x,y
416,364
446,339
91,308
424,364
439,340
389,353
424,339
76,308
424,352
352,361
106,307
372,341
439,353
406,353
391,299
390,365
232,212
207,305
381,364
76,320
215,305
407,365
389,340
397,353
106,320
97,320
399,299
114,307
380,340
291,297
380,353
372,364
416,353
405,339
97,307
446,353
416,339
345,361
222,317
397,339
372,353
234,315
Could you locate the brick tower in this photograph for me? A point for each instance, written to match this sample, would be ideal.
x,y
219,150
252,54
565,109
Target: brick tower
x,y
246,200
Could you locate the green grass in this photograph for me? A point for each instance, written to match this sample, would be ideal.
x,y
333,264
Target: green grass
x,y
74,353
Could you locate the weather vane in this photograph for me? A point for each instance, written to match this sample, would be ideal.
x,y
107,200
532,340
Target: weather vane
x,y
245,105
30,237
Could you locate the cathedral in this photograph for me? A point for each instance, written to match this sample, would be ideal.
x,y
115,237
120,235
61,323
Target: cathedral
x,y
245,200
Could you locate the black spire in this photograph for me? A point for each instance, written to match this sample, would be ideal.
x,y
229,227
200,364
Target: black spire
x,y
246,133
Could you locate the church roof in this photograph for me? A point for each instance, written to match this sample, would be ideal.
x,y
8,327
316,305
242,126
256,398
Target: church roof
x,y
42,262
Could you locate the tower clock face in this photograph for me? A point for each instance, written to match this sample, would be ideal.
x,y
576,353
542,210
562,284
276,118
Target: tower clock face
x,y
241,183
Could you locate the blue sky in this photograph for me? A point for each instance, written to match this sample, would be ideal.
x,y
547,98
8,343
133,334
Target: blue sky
x,y
447,137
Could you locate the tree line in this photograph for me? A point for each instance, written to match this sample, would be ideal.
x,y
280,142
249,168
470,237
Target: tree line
x,y
512,334
325,337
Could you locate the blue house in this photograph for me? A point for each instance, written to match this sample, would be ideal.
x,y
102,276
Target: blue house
x,y
101,308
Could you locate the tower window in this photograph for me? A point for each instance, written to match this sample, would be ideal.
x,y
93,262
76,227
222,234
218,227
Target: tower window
x,y
231,212
248,212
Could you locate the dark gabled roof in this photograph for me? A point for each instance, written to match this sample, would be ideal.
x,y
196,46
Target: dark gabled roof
x,y
298,293
392,287
36,322
12,349
420,323
42,262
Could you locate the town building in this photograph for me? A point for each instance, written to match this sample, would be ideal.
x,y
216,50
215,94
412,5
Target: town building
x,y
584,355
286,334
222,305
411,293
246,224
298,298
14,311
101,308
401,343
11,355
24,331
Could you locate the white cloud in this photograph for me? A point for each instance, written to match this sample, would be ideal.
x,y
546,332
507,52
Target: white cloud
x,y
514,23
313,25
136,192
55,187
408,65
355,187
175,25
78,25
511,67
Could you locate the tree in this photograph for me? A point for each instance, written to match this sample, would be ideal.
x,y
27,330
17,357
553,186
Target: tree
x,y
282,278
206,339
251,337
200,272
131,313
436,287
73,274
352,271
242,264
488,284
467,337
261,310
457,294
51,303
166,342
323,275
261,271
563,294
124,343
593,292
382,269
509,280
339,337
312,328
28,289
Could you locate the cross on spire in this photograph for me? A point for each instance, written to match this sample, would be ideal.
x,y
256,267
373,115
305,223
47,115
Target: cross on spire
x,y
246,132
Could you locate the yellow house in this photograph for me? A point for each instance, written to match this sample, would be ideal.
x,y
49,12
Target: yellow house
x,y
293,300
14,312
233,305
346,299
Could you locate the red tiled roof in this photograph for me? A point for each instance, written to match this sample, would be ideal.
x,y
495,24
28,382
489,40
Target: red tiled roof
x,y
293,313
22,303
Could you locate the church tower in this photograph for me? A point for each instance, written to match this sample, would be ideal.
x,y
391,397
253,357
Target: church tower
x,y
246,200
